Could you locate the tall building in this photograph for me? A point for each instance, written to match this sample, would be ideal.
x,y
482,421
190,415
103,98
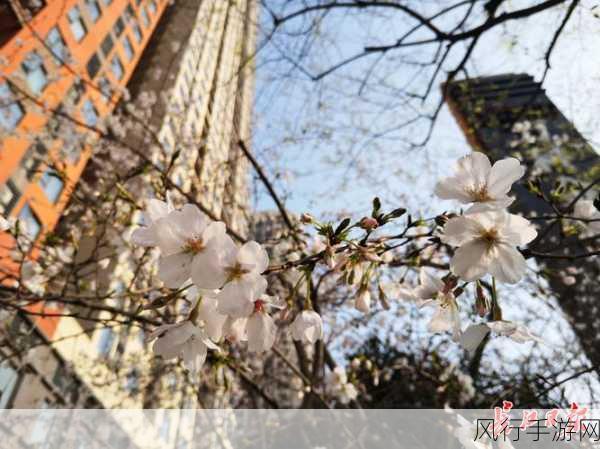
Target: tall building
x,y
55,57
193,59
511,115
202,100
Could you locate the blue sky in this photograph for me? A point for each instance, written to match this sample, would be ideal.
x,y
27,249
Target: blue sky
x,y
287,104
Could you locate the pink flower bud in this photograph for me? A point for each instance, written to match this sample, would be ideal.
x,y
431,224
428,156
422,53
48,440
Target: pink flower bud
x,y
307,218
368,223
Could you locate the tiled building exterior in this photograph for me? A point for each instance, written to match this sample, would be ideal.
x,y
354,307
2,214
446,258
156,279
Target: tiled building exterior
x,y
197,60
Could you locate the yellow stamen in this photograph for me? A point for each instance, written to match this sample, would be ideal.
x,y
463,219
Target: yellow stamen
x,y
235,272
194,246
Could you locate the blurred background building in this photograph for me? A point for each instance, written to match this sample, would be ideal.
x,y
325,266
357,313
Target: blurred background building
x,y
88,58
510,115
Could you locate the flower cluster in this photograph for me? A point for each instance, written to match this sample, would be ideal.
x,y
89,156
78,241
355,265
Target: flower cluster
x,y
487,236
228,297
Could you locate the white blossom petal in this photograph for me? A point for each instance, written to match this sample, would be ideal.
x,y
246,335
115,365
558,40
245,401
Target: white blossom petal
x,y
253,254
233,300
430,285
452,189
459,230
473,335
363,301
508,264
307,327
470,261
174,270
194,353
261,332
144,236
518,230
213,320
206,270
234,329
502,176
475,166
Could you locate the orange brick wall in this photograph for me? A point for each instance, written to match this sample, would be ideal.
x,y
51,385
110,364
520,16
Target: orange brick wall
x,y
61,78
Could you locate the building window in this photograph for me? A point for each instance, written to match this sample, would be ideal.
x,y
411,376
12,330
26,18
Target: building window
x,y
105,88
75,93
93,66
117,67
137,32
11,111
35,73
32,225
152,7
52,185
90,114
145,18
55,42
128,48
119,27
93,10
9,194
129,13
32,159
76,23
107,45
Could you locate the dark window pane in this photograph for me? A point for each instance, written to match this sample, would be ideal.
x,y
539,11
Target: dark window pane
x,y
107,45
93,66
119,27
9,195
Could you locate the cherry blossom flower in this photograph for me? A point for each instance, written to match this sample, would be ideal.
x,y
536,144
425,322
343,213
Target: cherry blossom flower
x,y
240,270
338,384
433,291
258,328
33,278
4,224
204,303
190,245
477,181
234,329
488,243
585,209
307,327
185,340
515,331
474,334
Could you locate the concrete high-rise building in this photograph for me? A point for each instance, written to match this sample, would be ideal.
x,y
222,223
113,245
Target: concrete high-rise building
x,y
511,115
195,59
202,100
